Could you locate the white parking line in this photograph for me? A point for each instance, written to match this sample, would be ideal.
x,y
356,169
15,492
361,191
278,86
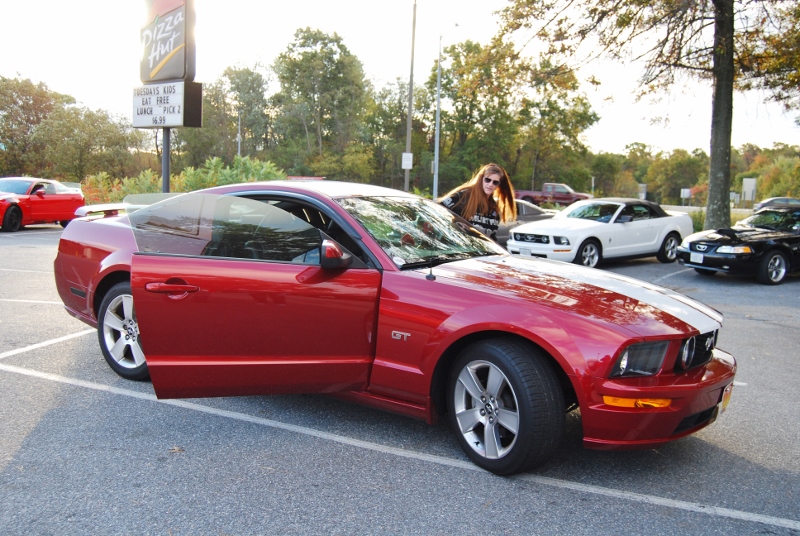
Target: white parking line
x,y
673,274
46,343
31,301
459,464
25,271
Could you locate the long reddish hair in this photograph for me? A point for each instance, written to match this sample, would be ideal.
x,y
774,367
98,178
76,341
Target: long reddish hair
x,y
477,201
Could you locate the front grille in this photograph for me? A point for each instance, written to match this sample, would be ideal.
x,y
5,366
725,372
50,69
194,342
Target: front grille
x,y
704,417
701,247
533,238
696,351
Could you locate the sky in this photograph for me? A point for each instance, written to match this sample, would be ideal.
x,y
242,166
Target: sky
x,y
90,50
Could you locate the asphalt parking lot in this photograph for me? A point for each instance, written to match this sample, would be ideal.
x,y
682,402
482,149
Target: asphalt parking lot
x,y
83,451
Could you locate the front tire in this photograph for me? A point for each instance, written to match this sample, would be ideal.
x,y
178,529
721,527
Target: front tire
x,y
12,221
589,253
772,269
669,249
505,405
118,333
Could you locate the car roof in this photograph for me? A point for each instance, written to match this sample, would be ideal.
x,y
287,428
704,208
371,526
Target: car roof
x,y
333,189
629,201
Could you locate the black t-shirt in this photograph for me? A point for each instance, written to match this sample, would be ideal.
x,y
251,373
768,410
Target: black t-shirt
x,y
485,223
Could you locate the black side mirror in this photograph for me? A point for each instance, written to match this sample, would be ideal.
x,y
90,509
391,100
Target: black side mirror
x,y
624,218
331,256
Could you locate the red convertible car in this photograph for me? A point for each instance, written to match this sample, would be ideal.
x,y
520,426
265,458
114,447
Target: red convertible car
x,y
384,298
26,201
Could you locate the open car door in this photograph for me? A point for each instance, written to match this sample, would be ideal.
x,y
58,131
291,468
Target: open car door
x,y
234,297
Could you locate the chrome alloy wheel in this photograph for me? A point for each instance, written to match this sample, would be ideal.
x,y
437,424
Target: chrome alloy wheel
x,y
486,409
671,248
121,333
589,255
776,268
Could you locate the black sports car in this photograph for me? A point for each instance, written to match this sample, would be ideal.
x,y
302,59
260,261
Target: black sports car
x,y
766,244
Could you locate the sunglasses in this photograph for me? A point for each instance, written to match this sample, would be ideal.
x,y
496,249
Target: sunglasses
x,y
487,180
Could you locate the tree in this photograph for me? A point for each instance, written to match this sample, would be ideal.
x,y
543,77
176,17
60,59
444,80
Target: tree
x,y
248,89
385,125
777,68
23,105
78,142
552,118
478,87
696,38
606,170
323,90
217,138
667,175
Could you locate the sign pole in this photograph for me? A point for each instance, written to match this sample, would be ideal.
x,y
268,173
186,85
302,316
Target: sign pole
x,y
165,149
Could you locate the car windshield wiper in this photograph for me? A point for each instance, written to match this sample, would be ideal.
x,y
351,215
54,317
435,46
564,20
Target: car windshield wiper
x,y
436,260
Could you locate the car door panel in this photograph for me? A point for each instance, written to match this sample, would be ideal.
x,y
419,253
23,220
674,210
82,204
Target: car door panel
x,y
253,327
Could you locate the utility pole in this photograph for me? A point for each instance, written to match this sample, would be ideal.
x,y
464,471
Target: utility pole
x,y
410,98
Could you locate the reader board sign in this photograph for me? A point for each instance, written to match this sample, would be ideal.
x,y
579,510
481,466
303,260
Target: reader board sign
x,y
173,104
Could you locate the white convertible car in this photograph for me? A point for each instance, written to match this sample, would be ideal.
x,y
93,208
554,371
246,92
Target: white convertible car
x,y
588,231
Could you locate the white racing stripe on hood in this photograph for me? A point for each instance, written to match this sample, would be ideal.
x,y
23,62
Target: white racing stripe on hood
x,y
700,316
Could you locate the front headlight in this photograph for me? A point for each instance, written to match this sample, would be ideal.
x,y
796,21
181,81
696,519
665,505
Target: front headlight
x,y
741,250
642,359
561,240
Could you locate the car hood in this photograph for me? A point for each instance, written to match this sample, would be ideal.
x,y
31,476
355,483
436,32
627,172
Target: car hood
x,y
556,224
641,307
6,195
738,235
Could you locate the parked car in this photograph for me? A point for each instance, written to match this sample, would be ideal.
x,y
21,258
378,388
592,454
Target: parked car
x,y
777,201
27,201
525,212
552,192
767,245
587,232
388,299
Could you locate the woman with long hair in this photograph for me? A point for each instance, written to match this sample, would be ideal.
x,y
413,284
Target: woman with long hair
x,y
486,200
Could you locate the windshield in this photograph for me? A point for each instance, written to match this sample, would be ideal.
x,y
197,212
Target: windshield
x,y
775,220
599,212
14,186
418,232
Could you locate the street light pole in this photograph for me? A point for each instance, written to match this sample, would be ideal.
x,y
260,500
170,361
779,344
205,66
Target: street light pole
x,y
438,108
410,96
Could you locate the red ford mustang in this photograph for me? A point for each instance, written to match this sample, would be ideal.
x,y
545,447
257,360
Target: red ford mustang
x,y
388,299
26,201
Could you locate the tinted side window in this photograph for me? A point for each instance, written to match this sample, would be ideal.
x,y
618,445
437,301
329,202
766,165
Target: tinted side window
x,y
225,226
248,229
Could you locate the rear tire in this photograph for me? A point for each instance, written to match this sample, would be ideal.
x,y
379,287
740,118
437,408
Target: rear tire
x,y
118,333
669,248
12,221
505,406
64,223
589,253
773,268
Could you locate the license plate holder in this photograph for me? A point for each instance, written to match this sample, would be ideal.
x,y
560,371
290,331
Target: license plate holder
x,y
696,258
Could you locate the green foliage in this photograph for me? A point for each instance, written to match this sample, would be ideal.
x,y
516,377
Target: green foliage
x,y
101,188
698,219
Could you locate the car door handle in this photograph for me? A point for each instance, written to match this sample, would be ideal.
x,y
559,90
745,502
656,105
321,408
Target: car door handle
x,y
170,288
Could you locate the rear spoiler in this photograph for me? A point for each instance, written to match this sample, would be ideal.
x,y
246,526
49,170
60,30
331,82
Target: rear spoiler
x,y
107,210
130,204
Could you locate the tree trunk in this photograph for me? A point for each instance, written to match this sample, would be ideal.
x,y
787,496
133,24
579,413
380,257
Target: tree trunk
x,y
719,177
